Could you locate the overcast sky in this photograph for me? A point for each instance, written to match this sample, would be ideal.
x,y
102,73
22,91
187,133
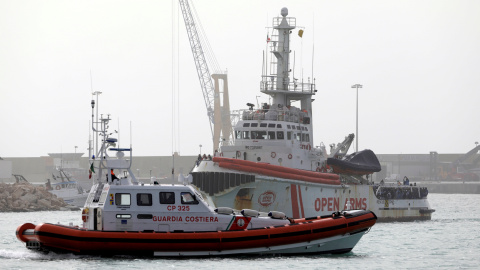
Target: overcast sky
x,y
418,62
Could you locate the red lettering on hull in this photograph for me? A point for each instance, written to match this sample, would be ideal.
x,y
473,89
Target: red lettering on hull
x,y
333,204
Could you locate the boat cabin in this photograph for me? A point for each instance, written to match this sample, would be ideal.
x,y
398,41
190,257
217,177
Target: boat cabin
x,y
161,208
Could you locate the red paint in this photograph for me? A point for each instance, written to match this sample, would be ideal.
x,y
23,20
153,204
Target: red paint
x,y
333,204
293,192
357,203
266,198
301,201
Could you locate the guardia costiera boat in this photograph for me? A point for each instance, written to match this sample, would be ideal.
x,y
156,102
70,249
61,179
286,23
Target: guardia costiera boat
x,y
125,216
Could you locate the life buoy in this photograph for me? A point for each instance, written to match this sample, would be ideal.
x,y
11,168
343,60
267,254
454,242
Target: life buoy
x,y
273,154
57,187
318,169
309,147
289,156
239,154
85,214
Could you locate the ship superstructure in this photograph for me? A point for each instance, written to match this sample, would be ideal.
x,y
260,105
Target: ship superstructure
x,y
275,163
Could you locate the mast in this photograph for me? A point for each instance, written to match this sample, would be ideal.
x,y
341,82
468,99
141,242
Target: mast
x,y
277,83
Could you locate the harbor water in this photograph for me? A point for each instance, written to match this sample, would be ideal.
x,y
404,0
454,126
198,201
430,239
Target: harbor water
x,y
451,240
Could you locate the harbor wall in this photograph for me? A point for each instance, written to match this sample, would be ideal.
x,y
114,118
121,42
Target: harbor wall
x,y
417,167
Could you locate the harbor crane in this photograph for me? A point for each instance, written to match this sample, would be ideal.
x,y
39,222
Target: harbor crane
x,y
218,109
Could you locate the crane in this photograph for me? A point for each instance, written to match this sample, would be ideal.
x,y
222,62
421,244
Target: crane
x,y
218,115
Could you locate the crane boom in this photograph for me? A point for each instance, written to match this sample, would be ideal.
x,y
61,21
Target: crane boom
x,y
217,114
203,72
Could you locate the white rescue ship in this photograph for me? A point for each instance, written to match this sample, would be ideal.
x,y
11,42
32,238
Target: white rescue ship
x,y
273,164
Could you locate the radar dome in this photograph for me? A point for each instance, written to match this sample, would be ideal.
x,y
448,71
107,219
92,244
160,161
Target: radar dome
x,y
284,12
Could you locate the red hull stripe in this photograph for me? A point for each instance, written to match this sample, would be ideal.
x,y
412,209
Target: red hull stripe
x,y
293,195
301,201
141,239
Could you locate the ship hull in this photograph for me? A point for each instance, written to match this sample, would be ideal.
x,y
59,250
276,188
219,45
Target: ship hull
x,y
299,199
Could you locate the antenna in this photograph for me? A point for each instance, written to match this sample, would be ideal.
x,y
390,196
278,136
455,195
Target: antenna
x,y
91,81
313,43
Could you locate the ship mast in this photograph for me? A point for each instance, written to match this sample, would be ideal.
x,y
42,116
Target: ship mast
x,y
277,83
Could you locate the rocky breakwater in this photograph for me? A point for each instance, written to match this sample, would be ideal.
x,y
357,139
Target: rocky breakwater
x,y
25,197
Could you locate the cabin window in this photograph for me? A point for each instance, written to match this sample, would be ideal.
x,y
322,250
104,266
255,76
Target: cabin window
x,y
144,216
288,126
144,199
279,125
188,198
271,135
254,125
289,135
304,139
303,128
280,135
259,135
246,134
122,199
307,137
246,124
271,125
124,216
167,197
263,124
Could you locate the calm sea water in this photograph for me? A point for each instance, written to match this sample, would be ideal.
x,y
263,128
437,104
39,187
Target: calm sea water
x,y
451,240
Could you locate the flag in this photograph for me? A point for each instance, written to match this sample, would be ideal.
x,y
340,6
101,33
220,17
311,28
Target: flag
x,y
268,38
92,169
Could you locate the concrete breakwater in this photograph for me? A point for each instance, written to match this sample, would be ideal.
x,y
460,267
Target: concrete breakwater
x,y
25,197
453,187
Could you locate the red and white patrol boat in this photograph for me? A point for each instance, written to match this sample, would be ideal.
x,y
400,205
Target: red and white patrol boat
x,y
273,164
124,216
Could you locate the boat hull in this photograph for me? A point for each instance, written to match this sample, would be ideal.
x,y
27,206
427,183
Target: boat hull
x,y
328,234
298,199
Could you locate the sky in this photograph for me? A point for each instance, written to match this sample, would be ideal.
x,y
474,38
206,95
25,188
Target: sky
x,y
418,62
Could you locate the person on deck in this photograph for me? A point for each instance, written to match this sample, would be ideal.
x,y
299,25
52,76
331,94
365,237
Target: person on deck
x,y
113,175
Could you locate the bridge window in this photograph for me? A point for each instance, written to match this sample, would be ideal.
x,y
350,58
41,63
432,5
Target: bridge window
x,y
289,135
144,199
246,124
288,126
238,134
271,135
188,198
279,125
271,125
254,125
246,134
263,124
259,135
167,197
280,135
122,199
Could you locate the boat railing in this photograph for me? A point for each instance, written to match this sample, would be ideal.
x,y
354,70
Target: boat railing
x,y
274,114
292,21
295,87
